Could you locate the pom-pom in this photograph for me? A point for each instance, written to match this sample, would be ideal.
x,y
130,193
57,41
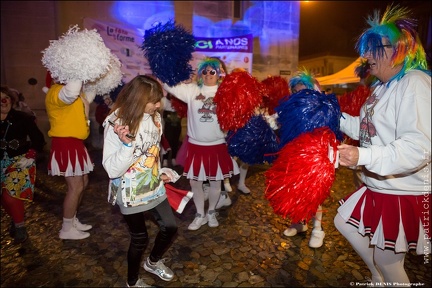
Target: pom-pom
x,y
179,106
306,110
168,48
351,102
237,97
301,176
277,88
255,143
79,55
107,82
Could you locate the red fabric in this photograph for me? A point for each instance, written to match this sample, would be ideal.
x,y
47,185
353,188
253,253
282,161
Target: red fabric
x,y
181,153
177,198
14,207
211,158
67,150
391,210
179,106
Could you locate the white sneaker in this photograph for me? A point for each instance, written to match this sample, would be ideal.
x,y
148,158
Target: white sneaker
x,y
81,227
227,186
224,201
206,189
295,228
243,189
197,222
73,234
212,221
317,238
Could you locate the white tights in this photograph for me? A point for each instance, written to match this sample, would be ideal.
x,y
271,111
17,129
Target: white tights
x,y
385,265
198,195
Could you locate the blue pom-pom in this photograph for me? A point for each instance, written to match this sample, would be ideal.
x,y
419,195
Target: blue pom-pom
x,y
168,48
306,110
254,143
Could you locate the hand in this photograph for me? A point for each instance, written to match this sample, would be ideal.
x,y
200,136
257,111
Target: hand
x,y
122,132
25,162
348,155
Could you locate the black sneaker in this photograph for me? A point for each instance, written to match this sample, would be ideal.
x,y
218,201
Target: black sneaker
x,y
12,229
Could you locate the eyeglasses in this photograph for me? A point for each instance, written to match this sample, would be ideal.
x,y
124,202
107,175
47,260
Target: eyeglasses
x,y
212,72
384,46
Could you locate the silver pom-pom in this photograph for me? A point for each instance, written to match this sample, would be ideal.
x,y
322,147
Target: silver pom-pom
x,y
108,82
79,55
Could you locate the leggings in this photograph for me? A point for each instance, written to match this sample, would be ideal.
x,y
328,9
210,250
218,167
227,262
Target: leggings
x,y
139,237
14,207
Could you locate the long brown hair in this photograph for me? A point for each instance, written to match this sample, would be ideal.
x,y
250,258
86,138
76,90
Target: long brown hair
x,y
133,98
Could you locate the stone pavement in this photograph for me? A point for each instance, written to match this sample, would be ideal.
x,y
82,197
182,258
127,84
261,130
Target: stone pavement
x,y
248,248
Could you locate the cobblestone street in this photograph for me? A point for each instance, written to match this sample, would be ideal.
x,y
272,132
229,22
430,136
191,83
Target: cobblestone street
x,y
248,249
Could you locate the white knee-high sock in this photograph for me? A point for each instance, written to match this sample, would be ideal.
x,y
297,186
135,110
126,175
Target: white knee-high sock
x,y
214,194
243,172
317,219
198,196
360,244
391,265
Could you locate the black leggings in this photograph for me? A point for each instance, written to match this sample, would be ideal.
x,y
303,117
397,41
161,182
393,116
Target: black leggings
x,y
139,237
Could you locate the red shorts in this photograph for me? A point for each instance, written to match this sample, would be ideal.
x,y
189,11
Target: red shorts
x,y
69,157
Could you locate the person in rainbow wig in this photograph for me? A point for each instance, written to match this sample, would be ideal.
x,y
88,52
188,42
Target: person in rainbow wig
x,y
389,214
304,79
207,157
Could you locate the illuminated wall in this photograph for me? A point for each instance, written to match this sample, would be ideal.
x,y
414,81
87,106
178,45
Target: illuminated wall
x,y
274,25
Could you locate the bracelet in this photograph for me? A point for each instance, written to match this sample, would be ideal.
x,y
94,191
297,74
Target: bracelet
x,y
127,144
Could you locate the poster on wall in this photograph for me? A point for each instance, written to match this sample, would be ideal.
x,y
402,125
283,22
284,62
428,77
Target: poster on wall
x,y
235,52
125,44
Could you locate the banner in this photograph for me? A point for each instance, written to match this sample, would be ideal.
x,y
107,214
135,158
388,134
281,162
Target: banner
x,y
235,52
125,44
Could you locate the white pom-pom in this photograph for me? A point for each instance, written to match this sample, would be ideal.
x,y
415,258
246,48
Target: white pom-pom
x,y
108,82
80,55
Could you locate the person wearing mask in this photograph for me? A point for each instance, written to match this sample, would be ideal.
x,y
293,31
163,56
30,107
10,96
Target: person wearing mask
x,y
389,214
207,152
18,166
67,110
132,134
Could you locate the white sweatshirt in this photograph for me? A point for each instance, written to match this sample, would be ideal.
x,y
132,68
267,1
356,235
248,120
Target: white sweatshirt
x,y
202,124
395,141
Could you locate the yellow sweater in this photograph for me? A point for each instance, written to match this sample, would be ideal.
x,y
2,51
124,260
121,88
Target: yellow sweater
x,y
66,120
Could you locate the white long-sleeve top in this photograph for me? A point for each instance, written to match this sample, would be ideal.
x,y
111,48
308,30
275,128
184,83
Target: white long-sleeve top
x,y
202,124
395,140
135,184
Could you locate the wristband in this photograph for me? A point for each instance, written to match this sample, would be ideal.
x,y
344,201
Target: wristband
x,y
127,144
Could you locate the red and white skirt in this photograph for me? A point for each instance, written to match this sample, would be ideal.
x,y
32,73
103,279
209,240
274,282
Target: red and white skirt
x,y
69,157
393,222
211,163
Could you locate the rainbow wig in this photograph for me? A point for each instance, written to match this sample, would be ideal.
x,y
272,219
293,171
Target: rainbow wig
x,y
399,30
214,63
306,78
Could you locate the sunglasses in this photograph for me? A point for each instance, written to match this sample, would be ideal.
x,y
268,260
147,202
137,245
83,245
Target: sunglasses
x,y
212,72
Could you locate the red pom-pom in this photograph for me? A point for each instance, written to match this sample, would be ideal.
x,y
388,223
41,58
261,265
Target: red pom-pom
x,y
179,106
236,98
277,88
351,103
302,175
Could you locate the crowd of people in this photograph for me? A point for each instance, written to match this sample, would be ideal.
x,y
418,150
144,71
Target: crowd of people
x,y
382,220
